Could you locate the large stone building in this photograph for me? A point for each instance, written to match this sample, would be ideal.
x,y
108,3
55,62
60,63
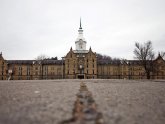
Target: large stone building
x,y
79,63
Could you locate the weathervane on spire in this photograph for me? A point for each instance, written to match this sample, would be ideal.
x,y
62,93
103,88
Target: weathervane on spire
x,y
80,24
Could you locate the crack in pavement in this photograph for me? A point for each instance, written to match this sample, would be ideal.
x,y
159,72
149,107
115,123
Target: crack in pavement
x,y
85,109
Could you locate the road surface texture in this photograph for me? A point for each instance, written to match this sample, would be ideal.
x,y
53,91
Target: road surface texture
x,y
52,101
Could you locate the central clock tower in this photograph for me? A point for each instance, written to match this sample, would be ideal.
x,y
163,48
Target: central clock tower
x,y
80,41
80,63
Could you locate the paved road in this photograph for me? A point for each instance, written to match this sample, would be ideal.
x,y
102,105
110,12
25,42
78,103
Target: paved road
x,y
49,102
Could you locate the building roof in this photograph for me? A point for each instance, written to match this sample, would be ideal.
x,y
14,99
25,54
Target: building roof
x,y
106,62
134,62
20,61
159,58
55,62
29,62
118,62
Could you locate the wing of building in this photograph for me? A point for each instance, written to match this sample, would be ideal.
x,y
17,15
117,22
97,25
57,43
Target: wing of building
x,y
79,63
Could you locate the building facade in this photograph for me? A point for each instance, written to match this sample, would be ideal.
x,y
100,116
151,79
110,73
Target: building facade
x,y
78,64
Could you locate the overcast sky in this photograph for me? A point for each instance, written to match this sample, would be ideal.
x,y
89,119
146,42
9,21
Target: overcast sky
x,y
29,28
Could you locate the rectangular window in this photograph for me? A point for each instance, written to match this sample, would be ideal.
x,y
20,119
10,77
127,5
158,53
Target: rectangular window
x,y
20,73
45,68
19,68
81,71
58,71
28,70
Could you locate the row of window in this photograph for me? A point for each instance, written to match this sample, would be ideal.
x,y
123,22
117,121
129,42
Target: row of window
x,y
37,73
81,72
124,73
37,68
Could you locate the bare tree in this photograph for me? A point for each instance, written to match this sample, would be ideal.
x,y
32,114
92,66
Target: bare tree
x,y
144,53
103,57
54,58
41,57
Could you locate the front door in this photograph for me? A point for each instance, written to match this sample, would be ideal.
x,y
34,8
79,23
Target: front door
x,y
80,76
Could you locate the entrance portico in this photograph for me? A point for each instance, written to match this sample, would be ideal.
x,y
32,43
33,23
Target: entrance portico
x,y
80,76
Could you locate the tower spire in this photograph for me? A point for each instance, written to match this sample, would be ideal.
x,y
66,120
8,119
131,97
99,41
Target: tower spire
x,y
80,41
80,24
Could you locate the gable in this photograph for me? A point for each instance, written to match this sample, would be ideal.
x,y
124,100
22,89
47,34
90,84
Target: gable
x,y
159,60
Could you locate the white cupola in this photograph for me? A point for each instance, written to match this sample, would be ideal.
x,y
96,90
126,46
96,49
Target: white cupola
x,y
80,41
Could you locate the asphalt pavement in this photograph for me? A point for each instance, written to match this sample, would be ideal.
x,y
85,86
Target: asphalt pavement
x,y
52,101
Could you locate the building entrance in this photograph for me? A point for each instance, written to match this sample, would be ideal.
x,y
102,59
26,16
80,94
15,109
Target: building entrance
x,y
81,76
